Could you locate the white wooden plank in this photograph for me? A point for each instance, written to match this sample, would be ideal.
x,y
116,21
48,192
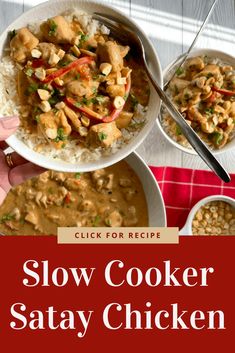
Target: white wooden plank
x,y
9,11
162,22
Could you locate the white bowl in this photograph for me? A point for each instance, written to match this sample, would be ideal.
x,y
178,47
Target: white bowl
x,y
166,74
187,229
155,202
154,199
52,8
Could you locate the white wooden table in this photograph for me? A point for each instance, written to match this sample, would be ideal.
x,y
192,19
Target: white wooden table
x,y
171,25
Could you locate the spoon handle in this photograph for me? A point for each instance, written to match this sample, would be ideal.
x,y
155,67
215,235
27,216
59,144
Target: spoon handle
x,y
185,56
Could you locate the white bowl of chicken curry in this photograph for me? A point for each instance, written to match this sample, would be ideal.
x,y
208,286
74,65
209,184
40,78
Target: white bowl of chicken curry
x,y
125,194
203,90
83,99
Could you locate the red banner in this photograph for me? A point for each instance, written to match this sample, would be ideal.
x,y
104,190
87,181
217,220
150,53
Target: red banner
x,y
112,298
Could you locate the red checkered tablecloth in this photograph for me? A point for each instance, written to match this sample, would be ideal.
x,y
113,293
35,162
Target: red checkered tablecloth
x,y
183,188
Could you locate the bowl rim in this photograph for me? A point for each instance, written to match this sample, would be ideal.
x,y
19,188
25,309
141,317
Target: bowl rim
x,y
195,52
103,161
188,224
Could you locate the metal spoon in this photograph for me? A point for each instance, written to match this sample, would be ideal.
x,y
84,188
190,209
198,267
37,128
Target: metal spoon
x,y
130,37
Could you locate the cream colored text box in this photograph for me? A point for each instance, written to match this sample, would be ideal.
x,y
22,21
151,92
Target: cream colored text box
x,y
86,235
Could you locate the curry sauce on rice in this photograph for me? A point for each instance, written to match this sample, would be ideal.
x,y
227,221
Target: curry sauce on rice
x,y
79,93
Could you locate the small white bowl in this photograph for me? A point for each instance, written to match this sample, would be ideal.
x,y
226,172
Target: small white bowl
x,y
55,7
187,229
166,74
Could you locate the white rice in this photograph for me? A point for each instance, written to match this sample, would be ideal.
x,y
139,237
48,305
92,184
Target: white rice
x,y
72,153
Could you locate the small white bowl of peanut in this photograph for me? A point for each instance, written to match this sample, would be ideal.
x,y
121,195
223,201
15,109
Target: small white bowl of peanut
x,y
213,215
203,90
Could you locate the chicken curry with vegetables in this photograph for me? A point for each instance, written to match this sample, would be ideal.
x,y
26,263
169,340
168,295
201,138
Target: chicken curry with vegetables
x,y
73,86
111,197
204,92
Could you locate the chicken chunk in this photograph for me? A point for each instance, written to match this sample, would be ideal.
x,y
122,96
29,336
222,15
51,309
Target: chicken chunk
x,y
114,219
22,44
195,63
47,49
54,125
116,90
124,119
75,184
103,135
112,53
57,30
177,84
81,88
210,70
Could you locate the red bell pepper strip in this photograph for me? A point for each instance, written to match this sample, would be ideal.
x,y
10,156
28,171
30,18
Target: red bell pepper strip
x,y
212,98
115,113
69,67
93,115
226,92
67,198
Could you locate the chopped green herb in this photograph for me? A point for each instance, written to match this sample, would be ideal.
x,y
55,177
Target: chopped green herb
x,y
90,48
187,96
108,222
209,75
95,221
29,72
64,63
32,88
53,100
83,39
56,95
77,104
102,136
136,125
99,99
77,77
6,217
217,137
53,27
176,89
209,111
60,135
78,175
45,86
179,71
134,100
94,90
97,76
13,34
178,130
37,118
84,101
